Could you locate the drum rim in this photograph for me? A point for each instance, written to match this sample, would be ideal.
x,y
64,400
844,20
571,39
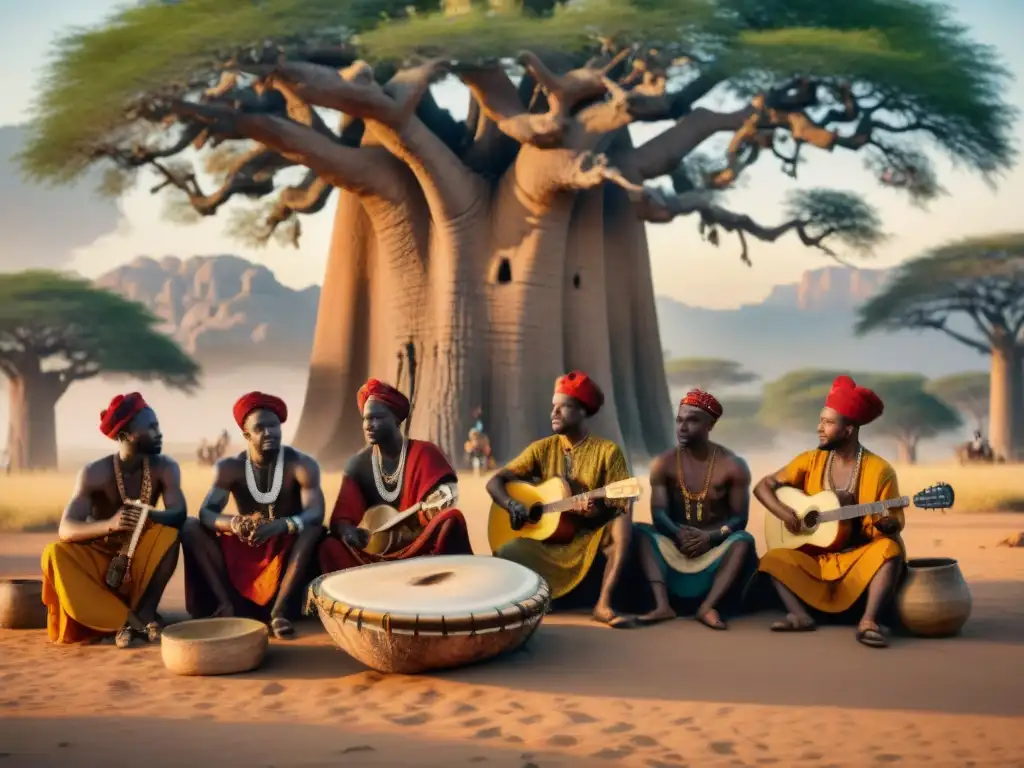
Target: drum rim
x,y
529,609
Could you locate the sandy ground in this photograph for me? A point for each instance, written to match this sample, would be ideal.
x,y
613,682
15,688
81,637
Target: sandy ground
x,y
581,695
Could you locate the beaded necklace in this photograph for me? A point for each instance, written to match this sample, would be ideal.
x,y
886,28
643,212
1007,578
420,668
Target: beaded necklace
x,y
696,499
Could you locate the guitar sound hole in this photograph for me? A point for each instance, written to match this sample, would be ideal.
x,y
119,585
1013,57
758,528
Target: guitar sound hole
x,y
432,578
536,513
811,519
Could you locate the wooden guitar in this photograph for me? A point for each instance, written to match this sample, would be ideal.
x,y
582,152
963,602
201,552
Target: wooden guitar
x,y
548,503
391,530
826,525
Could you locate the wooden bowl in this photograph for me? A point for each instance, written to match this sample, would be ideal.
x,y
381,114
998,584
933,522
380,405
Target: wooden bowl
x,y
21,604
214,646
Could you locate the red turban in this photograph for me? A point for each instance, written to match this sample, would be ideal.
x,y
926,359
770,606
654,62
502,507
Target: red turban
x,y
246,404
122,409
579,386
858,405
396,402
707,402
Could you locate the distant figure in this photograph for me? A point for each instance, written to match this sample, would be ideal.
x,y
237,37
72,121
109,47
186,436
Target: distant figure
x,y
5,461
203,453
478,451
977,449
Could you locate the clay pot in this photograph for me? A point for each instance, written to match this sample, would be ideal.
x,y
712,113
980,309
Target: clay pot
x,y
21,604
214,646
934,599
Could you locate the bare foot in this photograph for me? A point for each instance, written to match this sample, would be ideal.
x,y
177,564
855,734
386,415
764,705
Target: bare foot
x,y
871,635
795,623
614,619
711,618
662,613
124,636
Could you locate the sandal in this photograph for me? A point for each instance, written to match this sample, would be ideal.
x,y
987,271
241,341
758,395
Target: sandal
x,y
153,630
281,627
871,636
794,623
617,621
123,638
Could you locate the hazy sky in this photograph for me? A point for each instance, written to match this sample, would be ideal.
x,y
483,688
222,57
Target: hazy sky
x,y
684,267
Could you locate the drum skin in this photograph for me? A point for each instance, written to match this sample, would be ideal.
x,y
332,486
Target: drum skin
x,y
405,642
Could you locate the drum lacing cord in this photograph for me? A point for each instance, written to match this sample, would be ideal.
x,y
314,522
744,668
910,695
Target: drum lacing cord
x,y
385,623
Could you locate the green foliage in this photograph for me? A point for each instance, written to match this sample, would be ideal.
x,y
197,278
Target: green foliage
x,y
979,278
854,222
967,392
706,372
68,323
739,428
911,52
793,402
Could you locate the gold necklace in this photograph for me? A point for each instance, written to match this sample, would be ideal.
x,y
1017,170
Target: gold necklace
x,y
694,498
852,482
147,485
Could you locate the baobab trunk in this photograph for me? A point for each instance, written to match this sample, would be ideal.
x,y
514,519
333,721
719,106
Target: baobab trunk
x,y
32,431
1002,386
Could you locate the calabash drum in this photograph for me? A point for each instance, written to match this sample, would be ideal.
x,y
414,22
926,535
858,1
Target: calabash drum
x,y
432,612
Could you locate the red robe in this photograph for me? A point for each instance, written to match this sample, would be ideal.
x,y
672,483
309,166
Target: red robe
x,y
445,534
256,571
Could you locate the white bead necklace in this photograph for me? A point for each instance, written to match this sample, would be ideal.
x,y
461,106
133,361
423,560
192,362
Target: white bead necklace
x,y
270,497
376,462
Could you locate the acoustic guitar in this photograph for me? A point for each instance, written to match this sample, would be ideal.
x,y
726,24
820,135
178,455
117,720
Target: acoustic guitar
x,y
391,530
548,503
825,524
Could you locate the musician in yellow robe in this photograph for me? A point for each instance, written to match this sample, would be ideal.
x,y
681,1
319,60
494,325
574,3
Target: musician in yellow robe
x,y
871,561
97,522
588,462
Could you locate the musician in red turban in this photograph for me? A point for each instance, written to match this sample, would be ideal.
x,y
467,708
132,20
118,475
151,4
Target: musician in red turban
x,y
256,563
393,475
863,565
596,535
84,591
697,551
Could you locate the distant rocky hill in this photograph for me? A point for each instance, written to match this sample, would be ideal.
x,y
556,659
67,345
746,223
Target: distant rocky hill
x,y
231,313
809,324
225,311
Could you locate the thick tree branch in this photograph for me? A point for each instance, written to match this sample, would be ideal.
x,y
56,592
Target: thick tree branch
x,y
940,325
362,171
656,206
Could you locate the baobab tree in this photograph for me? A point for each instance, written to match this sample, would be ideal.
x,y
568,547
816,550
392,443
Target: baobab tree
x,y
972,291
505,248
56,330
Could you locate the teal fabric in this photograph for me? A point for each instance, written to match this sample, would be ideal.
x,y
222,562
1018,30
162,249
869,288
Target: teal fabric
x,y
695,585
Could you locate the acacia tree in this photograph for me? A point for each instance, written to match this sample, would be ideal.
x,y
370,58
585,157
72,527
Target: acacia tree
x,y
56,330
486,256
912,414
706,372
973,291
967,392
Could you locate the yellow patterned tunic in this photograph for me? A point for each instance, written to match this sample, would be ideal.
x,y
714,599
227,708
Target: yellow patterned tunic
x,y
592,463
832,582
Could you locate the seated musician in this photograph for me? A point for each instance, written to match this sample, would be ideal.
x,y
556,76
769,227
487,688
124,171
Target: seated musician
x,y
256,563
99,522
398,472
832,582
588,462
698,547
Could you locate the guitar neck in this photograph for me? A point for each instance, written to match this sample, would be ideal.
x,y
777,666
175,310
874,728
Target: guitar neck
x,y
570,503
860,510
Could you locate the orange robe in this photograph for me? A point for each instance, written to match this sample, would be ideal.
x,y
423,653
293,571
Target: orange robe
x,y
445,533
832,582
80,606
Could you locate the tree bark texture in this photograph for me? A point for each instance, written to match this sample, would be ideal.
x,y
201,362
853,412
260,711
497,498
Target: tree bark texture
x,y
1004,398
32,431
497,302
